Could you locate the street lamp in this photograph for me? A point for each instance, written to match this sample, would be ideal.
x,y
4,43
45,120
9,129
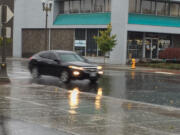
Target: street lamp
x,y
47,6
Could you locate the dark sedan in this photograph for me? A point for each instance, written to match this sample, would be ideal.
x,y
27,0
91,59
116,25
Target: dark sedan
x,y
66,65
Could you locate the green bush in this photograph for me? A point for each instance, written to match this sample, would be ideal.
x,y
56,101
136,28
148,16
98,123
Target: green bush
x,y
106,42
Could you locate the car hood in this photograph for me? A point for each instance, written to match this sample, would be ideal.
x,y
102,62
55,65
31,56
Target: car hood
x,y
80,64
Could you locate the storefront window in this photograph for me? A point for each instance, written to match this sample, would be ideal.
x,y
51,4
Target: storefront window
x,y
135,6
164,43
61,7
132,6
107,5
86,5
86,36
75,6
167,10
161,6
158,7
66,7
99,6
146,7
174,9
153,44
138,6
135,45
80,36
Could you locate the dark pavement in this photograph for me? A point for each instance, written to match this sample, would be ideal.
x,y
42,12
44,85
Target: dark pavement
x,y
150,86
122,103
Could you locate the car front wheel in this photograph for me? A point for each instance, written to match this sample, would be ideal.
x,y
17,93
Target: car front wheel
x,y
64,77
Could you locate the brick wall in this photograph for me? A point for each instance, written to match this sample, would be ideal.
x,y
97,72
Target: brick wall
x,y
33,40
62,39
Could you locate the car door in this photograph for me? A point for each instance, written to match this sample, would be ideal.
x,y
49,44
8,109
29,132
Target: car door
x,y
44,63
53,65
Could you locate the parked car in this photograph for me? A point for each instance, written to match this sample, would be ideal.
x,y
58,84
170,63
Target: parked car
x,y
66,65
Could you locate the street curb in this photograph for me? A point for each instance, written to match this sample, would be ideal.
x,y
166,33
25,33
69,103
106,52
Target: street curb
x,y
16,59
142,69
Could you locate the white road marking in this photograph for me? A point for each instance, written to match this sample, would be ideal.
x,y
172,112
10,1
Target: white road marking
x,y
26,77
167,73
31,102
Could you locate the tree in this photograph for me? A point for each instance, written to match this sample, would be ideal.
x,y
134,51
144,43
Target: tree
x,y
106,42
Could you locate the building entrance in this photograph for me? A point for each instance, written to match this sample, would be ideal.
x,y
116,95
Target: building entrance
x,y
151,48
147,45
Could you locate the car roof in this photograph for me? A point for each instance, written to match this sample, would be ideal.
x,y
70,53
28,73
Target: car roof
x,y
57,51
62,51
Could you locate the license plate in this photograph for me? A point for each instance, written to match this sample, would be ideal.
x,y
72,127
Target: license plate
x,y
93,74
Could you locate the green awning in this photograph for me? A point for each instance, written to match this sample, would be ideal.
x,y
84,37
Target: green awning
x,y
154,20
83,19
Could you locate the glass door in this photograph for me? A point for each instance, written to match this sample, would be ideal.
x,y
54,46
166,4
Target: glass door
x,y
154,48
148,44
151,48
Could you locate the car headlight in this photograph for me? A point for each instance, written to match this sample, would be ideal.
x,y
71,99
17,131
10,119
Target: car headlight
x,y
76,73
99,67
75,67
101,72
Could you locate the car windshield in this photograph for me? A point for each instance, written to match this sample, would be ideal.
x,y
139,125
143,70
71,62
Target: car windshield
x,y
69,57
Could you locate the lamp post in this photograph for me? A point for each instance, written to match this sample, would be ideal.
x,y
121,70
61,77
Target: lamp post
x,y
47,6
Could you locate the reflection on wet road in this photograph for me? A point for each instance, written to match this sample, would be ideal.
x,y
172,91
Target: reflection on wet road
x,y
139,86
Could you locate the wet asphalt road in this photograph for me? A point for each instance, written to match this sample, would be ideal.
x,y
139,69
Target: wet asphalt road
x,y
155,88
28,108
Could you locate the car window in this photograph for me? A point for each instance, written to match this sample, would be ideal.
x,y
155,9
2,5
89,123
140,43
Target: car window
x,y
48,55
69,57
52,56
44,55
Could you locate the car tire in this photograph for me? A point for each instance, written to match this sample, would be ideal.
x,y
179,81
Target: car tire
x,y
64,77
35,73
93,80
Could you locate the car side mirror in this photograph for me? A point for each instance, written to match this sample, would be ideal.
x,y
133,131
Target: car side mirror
x,y
58,61
86,60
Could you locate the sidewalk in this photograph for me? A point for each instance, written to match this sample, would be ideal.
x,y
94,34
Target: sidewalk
x,y
140,69
107,66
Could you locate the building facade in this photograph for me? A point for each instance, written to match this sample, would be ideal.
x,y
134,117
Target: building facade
x,y
144,28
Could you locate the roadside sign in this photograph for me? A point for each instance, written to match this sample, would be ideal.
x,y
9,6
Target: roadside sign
x,y
10,15
80,43
8,32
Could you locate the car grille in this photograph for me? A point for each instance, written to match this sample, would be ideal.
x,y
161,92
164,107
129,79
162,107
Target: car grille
x,y
91,69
